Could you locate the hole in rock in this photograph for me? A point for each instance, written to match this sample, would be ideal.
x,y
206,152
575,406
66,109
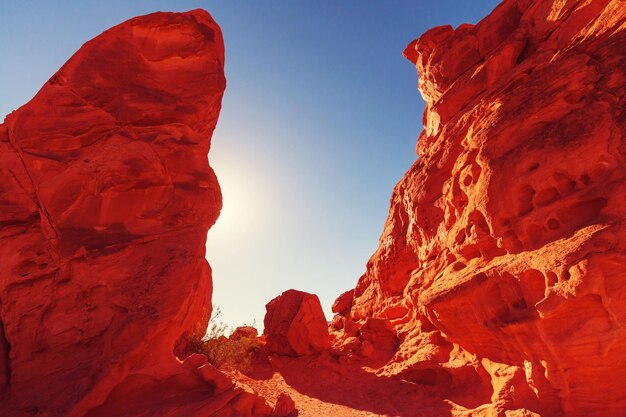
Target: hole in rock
x,y
478,223
553,224
458,266
566,275
525,200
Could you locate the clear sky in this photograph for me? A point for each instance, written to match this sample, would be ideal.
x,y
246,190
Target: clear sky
x,y
319,122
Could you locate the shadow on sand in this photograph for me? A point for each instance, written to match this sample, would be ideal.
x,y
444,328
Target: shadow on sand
x,y
352,386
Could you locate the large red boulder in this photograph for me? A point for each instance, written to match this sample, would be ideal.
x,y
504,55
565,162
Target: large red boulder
x,y
295,324
503,256
106,197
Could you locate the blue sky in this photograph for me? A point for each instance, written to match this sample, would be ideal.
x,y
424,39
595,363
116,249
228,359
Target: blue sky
x,y
319,122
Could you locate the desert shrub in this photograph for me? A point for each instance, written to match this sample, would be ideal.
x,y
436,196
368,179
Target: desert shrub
x,y
216,327
230,354
222,352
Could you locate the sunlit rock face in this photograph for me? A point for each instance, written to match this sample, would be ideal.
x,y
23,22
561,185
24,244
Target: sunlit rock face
x,y
106,197
503,258
295,324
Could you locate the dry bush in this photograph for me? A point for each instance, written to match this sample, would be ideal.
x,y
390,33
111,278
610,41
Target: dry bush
x,y
225,353
222,352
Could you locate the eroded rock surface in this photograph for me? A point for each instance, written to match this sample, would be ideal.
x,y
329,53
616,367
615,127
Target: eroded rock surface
x,y
501,265
497,290
106,199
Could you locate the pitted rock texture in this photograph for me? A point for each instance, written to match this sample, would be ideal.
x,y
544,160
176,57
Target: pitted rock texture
x,y
106,198
295,324
502,262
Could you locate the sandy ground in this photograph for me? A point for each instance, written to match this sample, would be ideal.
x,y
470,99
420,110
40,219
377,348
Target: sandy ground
x,y
320,387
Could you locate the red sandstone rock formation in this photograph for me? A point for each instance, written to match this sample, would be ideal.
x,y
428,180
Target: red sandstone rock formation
x,y
106,200
498,284
501,265
243,332
295,324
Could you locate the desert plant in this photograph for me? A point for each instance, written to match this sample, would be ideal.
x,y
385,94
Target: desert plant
x,y
215,328
222,352
230,354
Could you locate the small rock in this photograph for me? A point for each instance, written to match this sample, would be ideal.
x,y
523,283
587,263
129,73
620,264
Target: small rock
x,y
285,406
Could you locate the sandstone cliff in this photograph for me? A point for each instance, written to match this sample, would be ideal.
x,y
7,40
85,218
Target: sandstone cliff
x,y
501,265
106,200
